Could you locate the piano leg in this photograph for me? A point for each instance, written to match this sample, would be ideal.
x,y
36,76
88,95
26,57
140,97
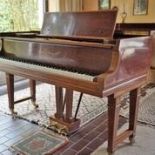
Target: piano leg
x,y
32,84
113,119
63,122
133,112
10,89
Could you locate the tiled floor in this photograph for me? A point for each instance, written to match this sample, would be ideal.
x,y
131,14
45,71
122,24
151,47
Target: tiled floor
x,y
83,142
144,143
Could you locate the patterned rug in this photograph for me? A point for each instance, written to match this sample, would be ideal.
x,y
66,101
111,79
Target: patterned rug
x,y
39,143
146,112
90,108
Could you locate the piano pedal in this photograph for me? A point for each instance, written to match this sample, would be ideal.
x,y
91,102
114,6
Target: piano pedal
x,y
59,128
64,131
35,105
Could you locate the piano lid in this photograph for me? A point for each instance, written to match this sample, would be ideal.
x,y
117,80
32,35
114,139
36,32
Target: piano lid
x,y
100,24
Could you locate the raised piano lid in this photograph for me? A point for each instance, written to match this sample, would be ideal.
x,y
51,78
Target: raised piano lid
x,y
100,24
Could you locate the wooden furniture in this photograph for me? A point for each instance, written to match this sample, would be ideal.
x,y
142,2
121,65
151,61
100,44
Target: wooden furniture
x,y
134,29
77,52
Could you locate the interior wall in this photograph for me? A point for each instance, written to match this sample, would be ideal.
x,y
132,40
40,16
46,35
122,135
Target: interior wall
x,y
89,5
65,5
53,5
128,4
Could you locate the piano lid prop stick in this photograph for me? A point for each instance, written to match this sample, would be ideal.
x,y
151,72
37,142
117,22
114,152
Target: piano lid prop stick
x,y
78,106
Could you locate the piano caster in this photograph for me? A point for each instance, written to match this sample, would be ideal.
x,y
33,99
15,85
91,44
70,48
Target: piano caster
x,y
35,105
132,139
13,113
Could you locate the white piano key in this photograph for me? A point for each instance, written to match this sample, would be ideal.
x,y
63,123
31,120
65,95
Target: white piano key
x,y
47,69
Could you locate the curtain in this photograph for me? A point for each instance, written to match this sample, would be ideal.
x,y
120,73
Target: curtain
x,y
70,5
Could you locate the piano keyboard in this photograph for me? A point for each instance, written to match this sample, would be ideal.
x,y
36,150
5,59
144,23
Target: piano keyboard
x,y
44,69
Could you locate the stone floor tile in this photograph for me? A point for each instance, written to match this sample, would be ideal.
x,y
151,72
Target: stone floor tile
x,y
3,148
3,140
7,152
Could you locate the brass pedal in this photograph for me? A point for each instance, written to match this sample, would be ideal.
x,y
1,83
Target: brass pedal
x,y
64,131
59,128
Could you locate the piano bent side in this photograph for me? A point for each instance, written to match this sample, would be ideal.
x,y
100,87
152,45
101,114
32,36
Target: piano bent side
x,y
134,61
129,76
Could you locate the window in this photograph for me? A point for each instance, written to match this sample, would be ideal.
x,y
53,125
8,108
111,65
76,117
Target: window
x,y
104,4
140,7
20,15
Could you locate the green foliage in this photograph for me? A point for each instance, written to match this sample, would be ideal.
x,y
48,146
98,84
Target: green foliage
x,y
19,15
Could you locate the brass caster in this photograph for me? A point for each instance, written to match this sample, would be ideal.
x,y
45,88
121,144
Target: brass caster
x,y
14,114
35,105
132,139
109,153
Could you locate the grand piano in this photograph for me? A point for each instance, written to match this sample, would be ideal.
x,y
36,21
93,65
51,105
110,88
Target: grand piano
x,y
77,52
